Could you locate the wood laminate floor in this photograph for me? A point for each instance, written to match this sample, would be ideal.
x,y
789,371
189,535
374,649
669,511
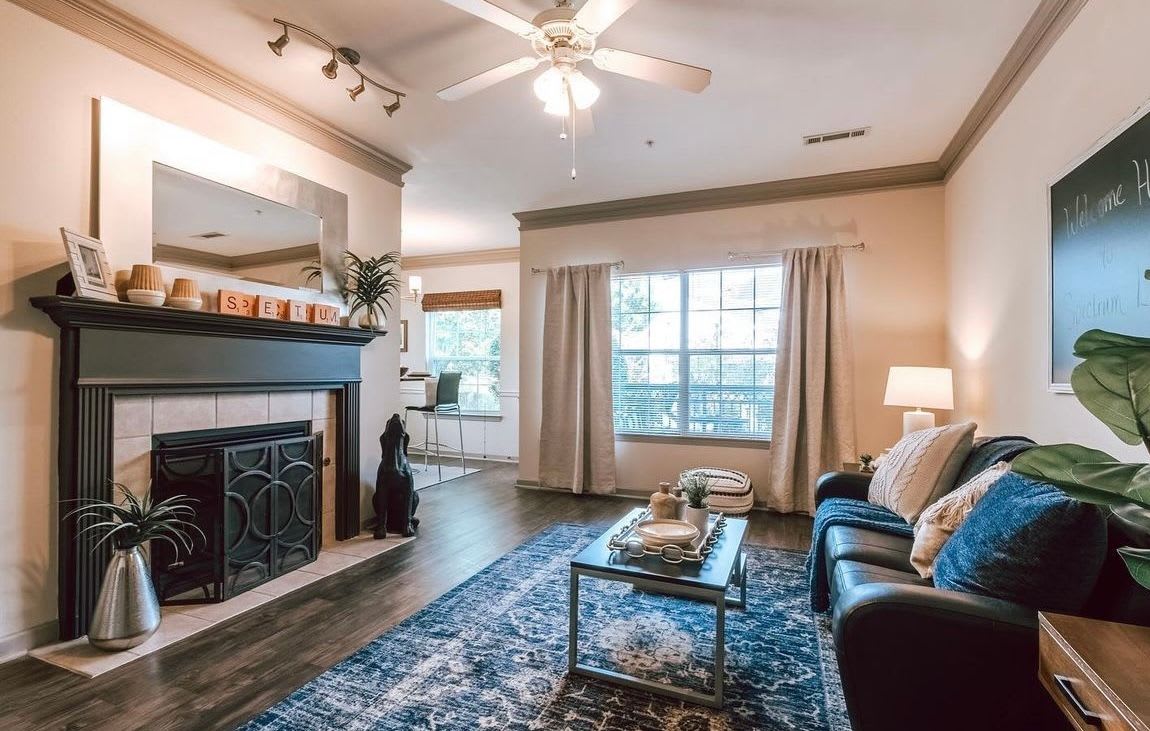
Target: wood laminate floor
x,y
224,677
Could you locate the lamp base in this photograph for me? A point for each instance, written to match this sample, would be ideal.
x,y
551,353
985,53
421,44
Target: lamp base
x,y
916,421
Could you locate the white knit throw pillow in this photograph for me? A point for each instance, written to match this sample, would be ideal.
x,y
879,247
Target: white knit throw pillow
x,y
920,469
939,521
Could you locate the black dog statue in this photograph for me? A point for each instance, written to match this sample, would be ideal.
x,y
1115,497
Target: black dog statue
x,y
395,498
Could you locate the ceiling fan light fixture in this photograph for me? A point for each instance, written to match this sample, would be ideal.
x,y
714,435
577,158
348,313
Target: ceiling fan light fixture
x,y
557,106
583,90
549,85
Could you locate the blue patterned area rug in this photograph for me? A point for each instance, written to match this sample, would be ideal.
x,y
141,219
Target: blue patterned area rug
x,y
492,654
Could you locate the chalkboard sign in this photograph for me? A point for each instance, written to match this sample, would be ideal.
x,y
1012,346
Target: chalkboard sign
x,y
1100,244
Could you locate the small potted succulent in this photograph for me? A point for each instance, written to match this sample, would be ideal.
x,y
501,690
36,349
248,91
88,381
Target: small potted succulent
x,y
127,610
866,462
696,488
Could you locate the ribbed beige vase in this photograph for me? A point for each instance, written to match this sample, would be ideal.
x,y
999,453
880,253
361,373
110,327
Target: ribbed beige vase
x,y
185,289
147,277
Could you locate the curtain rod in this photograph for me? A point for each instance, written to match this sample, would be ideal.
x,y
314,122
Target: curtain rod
x,y
617,264
732,255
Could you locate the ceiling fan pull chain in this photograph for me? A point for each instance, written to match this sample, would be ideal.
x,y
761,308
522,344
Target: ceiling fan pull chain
x,y
571,115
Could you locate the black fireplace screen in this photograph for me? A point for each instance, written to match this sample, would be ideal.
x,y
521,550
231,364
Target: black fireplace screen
x,y
257,503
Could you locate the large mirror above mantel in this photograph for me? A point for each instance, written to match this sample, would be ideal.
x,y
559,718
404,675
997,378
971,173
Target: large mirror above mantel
x,y
202,225
166,194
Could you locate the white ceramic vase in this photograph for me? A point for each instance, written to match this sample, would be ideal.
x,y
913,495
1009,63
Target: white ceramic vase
x,y
373,319
697,517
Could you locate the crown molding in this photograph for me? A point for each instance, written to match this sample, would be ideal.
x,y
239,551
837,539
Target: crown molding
x,y
736,196
145,44
484,256
1045,27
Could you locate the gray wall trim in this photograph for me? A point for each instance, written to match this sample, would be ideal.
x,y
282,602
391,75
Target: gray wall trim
x,y
736,196
131,37
1050,20
483,256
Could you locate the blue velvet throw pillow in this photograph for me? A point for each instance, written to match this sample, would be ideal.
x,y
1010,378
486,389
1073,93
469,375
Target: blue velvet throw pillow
x,y
1026,542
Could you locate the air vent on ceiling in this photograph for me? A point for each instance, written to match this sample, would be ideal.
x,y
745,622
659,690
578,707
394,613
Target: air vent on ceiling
x,y
210,235
846,134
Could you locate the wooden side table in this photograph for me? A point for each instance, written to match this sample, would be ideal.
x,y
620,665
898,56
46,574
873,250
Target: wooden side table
x,y
1096,671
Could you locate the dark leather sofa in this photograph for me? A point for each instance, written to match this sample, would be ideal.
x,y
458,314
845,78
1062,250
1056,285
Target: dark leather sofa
x,y
915,657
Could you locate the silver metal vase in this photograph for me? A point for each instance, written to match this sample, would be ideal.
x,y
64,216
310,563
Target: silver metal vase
x,y
127,610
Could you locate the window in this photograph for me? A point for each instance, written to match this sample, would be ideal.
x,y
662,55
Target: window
x,y
693,353
467,341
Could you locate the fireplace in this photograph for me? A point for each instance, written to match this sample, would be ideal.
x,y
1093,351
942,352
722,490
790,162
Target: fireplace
x,y
113,352
257,492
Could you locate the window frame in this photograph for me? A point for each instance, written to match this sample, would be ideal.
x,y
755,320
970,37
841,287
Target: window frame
x,y
430,356
684,352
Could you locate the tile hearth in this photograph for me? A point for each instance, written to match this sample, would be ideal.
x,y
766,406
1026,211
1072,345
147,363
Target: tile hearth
x,y
182,622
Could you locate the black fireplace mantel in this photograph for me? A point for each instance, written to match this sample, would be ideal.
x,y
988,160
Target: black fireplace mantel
x,y
109,349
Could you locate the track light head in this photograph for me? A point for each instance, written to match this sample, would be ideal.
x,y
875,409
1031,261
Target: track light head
x,y
392,108
278,44
331,68
356,90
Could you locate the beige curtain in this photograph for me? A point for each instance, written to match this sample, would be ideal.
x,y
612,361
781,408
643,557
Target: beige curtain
x,y
813,428
577,438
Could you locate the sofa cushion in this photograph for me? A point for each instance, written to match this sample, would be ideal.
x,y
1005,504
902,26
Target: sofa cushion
x,y
943,517
920,469
849,574
847,543
1026,542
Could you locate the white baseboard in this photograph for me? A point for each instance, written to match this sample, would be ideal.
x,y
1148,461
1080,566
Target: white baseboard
x,y
16,646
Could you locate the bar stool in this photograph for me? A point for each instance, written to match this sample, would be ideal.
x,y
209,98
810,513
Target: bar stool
x,y
446,402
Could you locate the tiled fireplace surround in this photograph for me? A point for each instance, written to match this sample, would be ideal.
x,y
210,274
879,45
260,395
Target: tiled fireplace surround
x,y
138,418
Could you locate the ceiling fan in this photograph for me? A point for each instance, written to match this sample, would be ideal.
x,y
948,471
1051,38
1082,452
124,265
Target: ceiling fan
x,y
563,37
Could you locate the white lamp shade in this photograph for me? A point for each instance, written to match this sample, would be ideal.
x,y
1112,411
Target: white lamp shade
x,y
920,388
415,283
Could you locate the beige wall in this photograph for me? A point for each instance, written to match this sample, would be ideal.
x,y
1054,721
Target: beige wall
x,y
896,301
996,225
46,143
497,438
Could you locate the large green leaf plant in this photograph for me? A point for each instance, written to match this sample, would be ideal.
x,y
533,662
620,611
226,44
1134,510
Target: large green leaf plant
x,y
1113,383
364,282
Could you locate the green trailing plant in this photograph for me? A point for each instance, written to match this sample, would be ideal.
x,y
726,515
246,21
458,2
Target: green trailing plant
x,y
363,283
696,488
133,521
1113,383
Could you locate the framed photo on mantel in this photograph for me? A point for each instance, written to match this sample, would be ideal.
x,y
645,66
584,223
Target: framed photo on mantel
x,y
89,265
1100,244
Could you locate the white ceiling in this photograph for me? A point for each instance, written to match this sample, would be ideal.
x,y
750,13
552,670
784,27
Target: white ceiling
x,y
910,69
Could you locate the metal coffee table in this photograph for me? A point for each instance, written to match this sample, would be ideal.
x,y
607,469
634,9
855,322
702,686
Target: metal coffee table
x,y
710,581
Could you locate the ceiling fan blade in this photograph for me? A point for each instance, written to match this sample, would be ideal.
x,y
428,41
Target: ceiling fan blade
x,y
497,15
649,68
596,15
490,77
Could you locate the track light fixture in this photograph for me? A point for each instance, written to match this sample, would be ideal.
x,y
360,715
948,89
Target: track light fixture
x,y
278,44
339,54
331,68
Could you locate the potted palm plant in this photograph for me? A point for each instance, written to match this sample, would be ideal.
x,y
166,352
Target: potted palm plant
x,y
1113,383
127,610
365,284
